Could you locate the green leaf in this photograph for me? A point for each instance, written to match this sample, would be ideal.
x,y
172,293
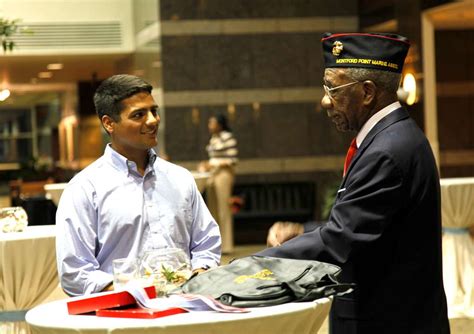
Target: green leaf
x,y
9,28
169,274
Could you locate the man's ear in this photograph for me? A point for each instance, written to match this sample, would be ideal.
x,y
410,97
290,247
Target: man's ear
x,y
370,91
108,123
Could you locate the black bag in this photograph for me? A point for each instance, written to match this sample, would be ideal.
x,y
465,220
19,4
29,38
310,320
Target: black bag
x,y
263,281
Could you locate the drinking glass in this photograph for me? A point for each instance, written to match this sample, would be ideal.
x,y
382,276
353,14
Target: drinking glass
x,y
166,269
124,270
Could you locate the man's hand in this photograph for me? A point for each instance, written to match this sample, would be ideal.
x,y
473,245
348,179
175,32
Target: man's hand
x,y
283,231
109,287
198,271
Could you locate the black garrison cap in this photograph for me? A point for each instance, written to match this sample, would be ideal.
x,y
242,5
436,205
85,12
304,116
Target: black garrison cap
x,y
378,51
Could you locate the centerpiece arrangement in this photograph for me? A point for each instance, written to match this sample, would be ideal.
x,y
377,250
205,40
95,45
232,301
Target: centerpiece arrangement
x,y
166,269
13,219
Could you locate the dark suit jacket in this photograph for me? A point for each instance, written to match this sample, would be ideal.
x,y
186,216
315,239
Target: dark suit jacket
x,y
384,230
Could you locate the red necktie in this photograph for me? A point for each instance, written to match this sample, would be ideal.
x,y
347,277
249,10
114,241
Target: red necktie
x,y
350,153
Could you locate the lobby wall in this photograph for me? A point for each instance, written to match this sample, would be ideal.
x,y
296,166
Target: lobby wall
x,y
455,97
260,63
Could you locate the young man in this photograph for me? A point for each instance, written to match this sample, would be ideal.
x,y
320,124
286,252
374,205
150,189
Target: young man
x,y
129,201
384,229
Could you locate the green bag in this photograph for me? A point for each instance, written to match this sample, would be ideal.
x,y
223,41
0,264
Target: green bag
x,y
263,281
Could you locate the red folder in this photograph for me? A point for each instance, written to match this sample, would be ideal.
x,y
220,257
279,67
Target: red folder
x,y
138,312
104,300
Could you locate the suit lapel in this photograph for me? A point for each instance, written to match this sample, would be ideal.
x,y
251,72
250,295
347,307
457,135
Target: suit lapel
x,y
393,117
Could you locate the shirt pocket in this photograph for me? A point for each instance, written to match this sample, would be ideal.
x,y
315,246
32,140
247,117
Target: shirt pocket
x,y
174,226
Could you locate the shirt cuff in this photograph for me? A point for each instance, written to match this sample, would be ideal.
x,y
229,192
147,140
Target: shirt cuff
x,y
98,280
204,264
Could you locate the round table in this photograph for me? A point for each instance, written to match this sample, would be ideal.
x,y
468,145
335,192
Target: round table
x,y
54,191
301,318
457,209
28,274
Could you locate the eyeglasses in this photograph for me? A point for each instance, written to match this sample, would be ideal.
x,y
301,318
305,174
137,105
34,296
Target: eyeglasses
x,y
328,90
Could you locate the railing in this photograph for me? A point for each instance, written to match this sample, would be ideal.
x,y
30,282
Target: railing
x,y
261,204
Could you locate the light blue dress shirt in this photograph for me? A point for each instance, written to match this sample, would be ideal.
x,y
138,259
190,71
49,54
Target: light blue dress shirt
x,y
109,211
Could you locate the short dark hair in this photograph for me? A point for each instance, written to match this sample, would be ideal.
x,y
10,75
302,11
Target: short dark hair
x,y
223,122
112,91
388,81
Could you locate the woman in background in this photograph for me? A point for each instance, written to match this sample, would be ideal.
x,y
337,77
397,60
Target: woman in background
x,y
222,150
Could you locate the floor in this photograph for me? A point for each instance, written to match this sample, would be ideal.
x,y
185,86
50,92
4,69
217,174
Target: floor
x,y
458,326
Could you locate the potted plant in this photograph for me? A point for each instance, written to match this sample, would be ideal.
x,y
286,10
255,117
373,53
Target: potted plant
x,y
8,28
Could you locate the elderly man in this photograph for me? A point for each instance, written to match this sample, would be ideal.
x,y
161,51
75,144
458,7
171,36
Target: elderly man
x,y
384,229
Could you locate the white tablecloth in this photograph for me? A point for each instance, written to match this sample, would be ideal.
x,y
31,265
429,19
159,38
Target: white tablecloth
x,y
54,191
28,274
457,196
301,318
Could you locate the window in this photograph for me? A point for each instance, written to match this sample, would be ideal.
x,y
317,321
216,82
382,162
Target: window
x,y
28,135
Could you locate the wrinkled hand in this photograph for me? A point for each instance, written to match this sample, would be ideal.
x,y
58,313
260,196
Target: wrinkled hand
x,y
283,231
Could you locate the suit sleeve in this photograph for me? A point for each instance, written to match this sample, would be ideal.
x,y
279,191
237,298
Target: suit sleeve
x,y
364,207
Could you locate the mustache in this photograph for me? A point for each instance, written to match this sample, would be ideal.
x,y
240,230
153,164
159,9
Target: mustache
x,y
329,112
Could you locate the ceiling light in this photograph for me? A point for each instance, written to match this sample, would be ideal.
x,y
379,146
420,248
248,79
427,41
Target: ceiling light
x,y
45,75
55,66
4,94
409,86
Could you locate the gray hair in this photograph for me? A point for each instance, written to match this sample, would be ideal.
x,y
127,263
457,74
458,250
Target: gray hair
x,y
388,81
112,91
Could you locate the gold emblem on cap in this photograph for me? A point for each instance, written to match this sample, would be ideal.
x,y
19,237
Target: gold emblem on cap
x,y
337,48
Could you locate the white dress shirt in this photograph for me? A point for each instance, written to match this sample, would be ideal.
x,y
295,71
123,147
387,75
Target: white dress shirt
x,y
372,121
110,211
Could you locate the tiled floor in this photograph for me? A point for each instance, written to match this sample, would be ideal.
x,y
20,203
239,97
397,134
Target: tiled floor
x,y
458,326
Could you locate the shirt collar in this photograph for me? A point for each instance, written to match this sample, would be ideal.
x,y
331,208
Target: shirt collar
x,y
123,163
372,121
